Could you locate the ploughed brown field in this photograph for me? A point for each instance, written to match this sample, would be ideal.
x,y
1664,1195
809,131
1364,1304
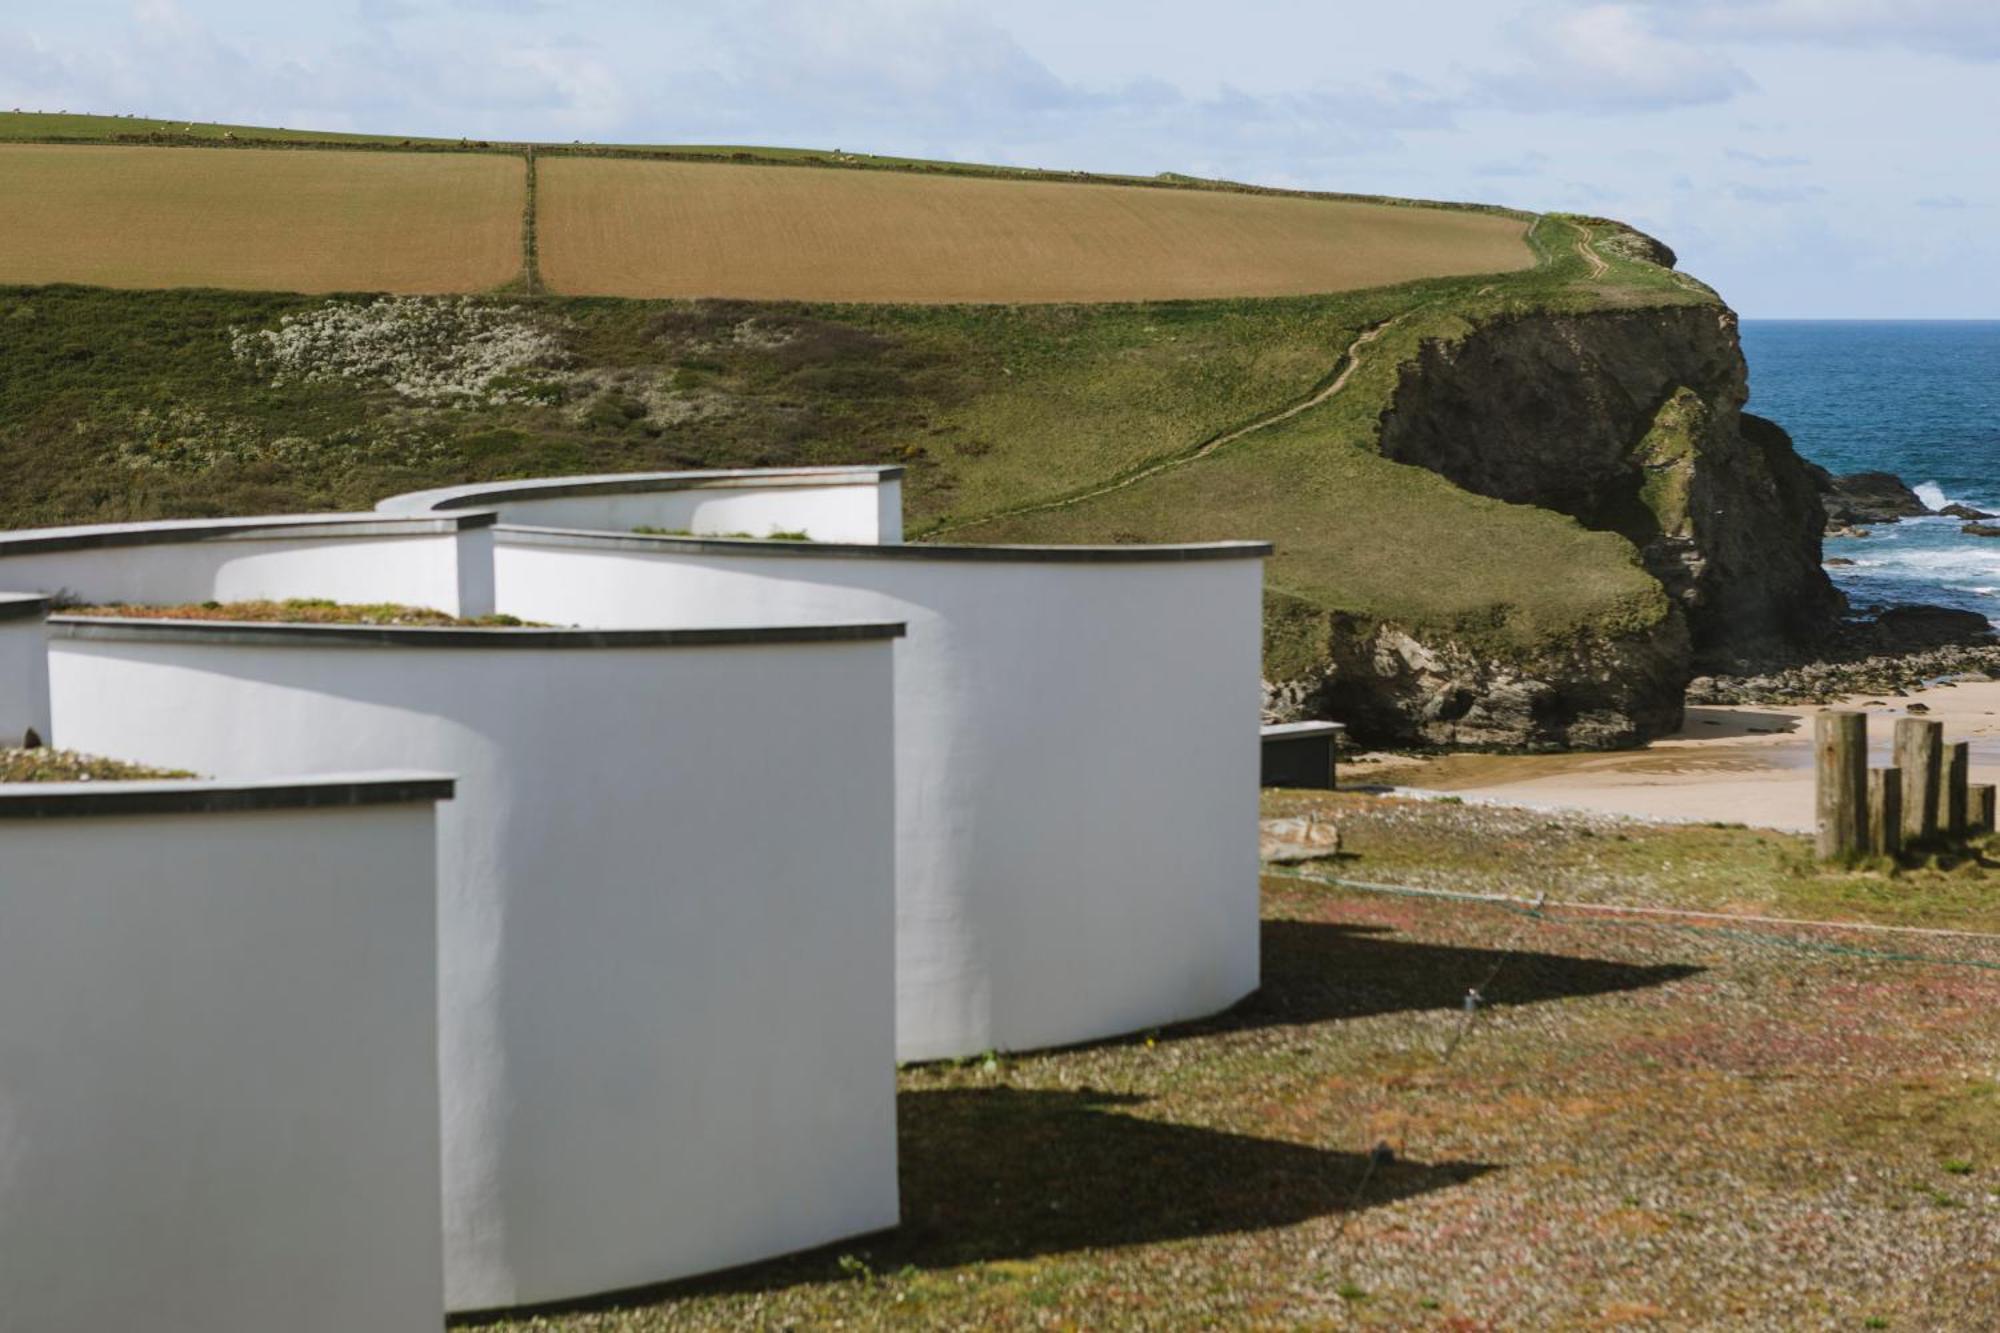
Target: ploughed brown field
x,y
683,229
259,219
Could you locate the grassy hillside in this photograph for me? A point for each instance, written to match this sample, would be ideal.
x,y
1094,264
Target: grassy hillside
x,y
1061,421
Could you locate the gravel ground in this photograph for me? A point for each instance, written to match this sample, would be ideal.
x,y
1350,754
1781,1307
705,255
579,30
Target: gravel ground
x,y
1651,1123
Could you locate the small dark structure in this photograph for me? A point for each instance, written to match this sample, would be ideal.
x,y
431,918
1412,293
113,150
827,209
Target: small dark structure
x,y
1300,754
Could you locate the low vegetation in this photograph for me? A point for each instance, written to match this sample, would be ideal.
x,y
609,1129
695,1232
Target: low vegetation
x,y
45,765
299,611
1649,1121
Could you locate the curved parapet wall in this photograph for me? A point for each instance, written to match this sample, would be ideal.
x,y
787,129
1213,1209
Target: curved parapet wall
x,y
440,561
24,667
1076,757
828,504
666,909
218,1055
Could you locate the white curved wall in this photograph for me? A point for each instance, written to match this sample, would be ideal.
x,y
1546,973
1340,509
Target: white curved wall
x,y
24,668
1076,766
445,564
667,922
218,1069
828,504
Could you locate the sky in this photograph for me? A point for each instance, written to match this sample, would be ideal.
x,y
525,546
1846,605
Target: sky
x,y
1809,158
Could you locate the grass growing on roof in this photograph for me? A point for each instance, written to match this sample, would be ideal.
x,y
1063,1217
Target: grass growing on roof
x,y
299,611
46,765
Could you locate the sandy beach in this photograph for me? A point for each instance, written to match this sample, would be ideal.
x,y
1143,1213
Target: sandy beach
x,y
1746,765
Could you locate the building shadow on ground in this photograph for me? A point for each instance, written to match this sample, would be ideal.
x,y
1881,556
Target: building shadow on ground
x,y
1320,972
998,1173
1006,1174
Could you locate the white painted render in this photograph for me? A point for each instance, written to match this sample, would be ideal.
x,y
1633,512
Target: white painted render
x,y
24,673
449,571
1076,765
827,504
666,1000
218,1072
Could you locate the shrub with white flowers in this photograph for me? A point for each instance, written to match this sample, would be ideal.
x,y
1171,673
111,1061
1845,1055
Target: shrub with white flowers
x,y
439,351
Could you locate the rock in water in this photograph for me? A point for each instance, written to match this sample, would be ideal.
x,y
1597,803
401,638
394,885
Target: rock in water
x,y
1964,511
1866,497
1980,530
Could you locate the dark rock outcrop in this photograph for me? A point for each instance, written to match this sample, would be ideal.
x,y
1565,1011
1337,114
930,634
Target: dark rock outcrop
x,y
1896,650
1865,497
1632,422
1396,686
1965,511
1980,530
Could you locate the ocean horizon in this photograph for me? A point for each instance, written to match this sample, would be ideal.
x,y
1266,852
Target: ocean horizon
x,y
1919,398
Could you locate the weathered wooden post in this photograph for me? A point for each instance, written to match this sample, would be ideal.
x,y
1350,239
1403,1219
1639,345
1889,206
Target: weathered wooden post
x,y
1920,754
1979,813
1841,745
1957,773
1885,811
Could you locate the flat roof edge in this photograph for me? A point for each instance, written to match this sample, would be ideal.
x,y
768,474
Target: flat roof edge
x,y
1182,553
24,605
452,498
40,541
138,629
58,800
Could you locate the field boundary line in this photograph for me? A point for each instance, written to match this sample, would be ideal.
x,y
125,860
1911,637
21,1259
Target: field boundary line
x,y
531,256
1627,909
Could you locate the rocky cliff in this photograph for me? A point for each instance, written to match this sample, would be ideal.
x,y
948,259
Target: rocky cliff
x,y
1631,422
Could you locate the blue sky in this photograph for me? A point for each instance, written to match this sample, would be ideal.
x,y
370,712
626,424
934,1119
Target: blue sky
x,y
1812,158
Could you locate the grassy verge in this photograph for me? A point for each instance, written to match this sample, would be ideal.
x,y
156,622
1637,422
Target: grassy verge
x,y
1647,1124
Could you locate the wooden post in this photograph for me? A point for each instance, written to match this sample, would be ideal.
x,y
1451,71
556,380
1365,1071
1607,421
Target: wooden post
x,y
1840,742
1920,754
1957,771
1979,811
1885,811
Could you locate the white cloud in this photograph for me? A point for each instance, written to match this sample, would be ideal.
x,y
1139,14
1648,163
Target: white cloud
x,y
1966,29
1608,57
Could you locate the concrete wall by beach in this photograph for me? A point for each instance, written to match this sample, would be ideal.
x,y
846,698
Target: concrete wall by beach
x,y
666,902
1077,759
24,667
218,1058
444,563
858,504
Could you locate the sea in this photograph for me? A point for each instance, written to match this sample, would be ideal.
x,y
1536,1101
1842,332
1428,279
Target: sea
x,y
1920,399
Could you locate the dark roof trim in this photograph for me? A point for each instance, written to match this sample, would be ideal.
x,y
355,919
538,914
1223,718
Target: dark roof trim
x,y
117,629
37,541
58,800
1019,555
23,605
629,483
